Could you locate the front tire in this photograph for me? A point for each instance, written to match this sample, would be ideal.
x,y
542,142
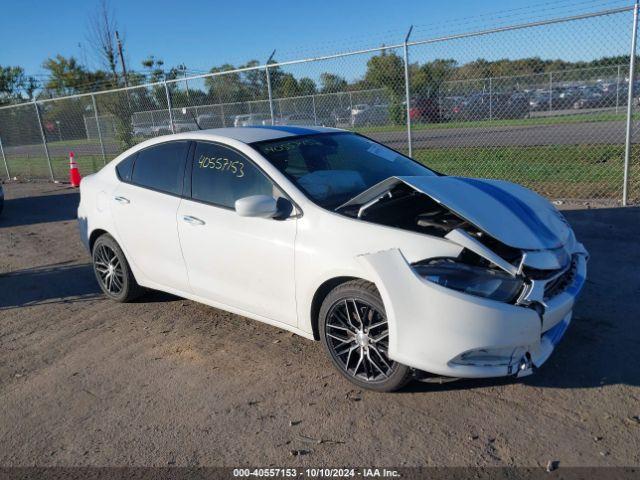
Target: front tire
x,y
112,270
355,334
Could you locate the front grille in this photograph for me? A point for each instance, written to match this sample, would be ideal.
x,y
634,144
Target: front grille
x,y
559,284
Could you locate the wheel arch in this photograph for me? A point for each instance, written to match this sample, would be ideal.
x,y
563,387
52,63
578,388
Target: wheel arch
x,y
98,232
321,293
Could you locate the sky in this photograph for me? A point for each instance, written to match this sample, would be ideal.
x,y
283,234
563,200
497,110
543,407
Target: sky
x,y
202,33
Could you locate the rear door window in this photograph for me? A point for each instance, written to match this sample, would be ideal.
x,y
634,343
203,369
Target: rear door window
x,y
161,167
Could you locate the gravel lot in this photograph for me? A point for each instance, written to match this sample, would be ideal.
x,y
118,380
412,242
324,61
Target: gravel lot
x,y
165,381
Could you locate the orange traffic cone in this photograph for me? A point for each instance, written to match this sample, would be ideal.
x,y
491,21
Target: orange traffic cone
x,y
74,174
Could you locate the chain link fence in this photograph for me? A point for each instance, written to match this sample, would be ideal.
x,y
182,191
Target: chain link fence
x,y
481,104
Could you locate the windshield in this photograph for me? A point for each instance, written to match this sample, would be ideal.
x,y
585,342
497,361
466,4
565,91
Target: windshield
x,y
332,168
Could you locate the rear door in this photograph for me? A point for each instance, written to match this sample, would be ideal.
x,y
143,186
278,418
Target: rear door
x,y
144,208
242,262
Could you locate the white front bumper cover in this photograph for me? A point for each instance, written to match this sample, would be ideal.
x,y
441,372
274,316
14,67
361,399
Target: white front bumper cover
x,y
449,333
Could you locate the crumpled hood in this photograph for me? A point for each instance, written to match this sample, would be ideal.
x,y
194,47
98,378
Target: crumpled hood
x,y
508,212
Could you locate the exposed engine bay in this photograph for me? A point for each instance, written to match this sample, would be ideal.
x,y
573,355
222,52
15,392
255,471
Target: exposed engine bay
x,y
402,206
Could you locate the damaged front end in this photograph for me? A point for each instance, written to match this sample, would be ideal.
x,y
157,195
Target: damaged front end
x,y
503,303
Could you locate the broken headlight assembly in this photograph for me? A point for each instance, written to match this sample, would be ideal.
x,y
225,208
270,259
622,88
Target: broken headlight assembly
x,y
470,279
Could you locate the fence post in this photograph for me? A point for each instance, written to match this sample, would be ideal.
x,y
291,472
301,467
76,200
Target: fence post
x,y
407,91
632,70
270,96
170,107
6,165
95,114
44,140
313,105
617,89
490,99
266,68
550,91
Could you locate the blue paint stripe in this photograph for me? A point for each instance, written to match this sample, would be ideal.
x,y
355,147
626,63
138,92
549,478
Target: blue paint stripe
x,y
519,208
286,128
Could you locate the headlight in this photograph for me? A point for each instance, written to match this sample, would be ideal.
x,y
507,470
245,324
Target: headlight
x,y
482,282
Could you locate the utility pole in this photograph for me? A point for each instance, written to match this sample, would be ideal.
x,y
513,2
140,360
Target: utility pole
x,y
124,67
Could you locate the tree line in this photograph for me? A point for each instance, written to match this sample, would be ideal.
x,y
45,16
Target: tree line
x,y
67,76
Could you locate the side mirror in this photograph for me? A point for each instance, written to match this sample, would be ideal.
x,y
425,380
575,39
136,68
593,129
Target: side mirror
x,y
261,206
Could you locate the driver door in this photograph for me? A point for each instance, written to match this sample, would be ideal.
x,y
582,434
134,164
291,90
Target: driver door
x,y
241,262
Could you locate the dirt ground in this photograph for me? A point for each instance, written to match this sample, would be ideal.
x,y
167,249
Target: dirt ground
x,y
166,381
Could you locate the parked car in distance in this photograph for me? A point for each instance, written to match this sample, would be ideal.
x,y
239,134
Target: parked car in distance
x,y
424,109
484,106
145,129
591,97
542,100
292,119
163,127
250,119
370,116
185,124
210,120
341,117
395,269
447,104
359,108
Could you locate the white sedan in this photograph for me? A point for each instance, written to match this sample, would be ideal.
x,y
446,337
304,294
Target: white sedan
x,y
396,269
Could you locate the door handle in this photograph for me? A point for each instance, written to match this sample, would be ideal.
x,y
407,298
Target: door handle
x,y
192,220
122,200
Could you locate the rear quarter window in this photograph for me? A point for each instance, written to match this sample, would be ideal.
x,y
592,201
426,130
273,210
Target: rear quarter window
x,y
124,169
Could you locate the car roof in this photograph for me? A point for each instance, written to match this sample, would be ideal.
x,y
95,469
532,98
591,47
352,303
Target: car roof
x,y
252,134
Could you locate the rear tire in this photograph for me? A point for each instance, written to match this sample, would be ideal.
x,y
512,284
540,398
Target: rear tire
x,y
113,272
354,332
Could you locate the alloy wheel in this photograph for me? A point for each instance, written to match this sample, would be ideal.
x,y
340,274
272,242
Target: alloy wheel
x,y
109,269
358,338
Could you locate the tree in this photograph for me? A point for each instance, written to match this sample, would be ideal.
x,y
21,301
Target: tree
x,y
426,79
154,68
225,87
306,86
15,85
240,86
286,86
332,83
30,85
67,76
386,71
101,36
255,80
